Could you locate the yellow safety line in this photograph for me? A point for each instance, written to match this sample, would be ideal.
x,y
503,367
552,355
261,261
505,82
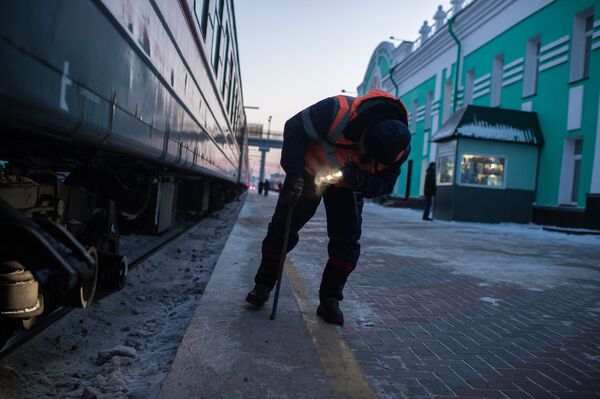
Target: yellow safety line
x,y
343,373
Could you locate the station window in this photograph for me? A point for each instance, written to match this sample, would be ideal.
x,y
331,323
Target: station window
x,y
581,45
428,110
447,100
531,66
482,170
413,117
577,150
469,85
201,11
496,85
445,163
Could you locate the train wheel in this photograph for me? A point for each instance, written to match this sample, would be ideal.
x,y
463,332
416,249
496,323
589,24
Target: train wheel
x,y
113,270
88,290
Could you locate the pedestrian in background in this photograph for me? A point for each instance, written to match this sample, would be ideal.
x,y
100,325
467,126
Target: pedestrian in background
x,y
430,189
266,187
260,187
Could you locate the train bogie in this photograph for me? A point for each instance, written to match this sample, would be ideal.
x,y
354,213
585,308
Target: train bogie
x,y
114,116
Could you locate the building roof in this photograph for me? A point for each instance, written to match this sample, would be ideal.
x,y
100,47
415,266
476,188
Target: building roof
x,y
495,124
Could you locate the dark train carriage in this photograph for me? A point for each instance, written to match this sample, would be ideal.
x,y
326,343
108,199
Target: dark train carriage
x,y
113,114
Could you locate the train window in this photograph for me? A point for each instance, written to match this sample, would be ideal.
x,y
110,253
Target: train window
x,y
216,41
226,82
220,9
231,84
201,10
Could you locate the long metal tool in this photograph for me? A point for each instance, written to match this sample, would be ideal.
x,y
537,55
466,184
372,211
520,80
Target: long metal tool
x,y
286,236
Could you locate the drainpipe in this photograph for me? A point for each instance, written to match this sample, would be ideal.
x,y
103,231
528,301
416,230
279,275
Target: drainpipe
x,y
454,101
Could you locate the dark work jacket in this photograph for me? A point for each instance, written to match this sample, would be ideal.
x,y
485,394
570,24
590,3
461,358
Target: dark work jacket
x,y
430,186
296,140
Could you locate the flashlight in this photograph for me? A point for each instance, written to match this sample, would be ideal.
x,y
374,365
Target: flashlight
x,y
328,178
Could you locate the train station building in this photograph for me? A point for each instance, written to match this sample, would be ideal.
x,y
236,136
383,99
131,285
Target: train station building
x,y
525,74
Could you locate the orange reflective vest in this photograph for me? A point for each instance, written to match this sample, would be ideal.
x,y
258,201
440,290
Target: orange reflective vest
x,y
333,152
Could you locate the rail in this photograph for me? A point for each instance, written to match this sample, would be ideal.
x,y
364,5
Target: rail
x,y
138,255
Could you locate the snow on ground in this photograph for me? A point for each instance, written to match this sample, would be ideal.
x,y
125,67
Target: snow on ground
x,y
124,344
512,253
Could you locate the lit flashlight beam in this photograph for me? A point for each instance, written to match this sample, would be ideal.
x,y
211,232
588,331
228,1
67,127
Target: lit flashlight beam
x,y
330,178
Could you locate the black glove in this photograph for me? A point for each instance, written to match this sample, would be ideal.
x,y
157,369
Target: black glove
x,y
292,188
353,177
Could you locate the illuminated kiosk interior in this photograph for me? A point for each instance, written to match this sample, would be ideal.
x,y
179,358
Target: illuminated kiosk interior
x,y
487,165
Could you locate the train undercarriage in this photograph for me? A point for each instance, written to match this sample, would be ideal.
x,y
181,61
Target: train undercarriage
x,y
61,217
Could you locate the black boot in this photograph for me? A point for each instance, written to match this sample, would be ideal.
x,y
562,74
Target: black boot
x,y
265,278
329,310
259,295
330,293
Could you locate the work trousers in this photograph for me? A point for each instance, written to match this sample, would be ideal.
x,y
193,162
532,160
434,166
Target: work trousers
x,y
344,219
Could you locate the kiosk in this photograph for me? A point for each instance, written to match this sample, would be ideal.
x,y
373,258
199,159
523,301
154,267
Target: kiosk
x,y
487,165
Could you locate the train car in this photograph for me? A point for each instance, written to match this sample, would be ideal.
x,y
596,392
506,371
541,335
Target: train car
x,y
113,115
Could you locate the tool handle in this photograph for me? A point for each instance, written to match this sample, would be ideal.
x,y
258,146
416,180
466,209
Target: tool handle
x,y
286,235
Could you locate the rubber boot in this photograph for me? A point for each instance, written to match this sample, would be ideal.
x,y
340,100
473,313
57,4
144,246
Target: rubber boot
x,y
265,278
331,291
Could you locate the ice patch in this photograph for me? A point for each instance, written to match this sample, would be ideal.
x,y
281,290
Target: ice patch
x,y
489,299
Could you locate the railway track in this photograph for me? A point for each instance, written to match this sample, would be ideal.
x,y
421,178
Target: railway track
x,y
137,254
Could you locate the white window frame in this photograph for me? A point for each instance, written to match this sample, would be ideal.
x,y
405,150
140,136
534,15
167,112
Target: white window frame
x,y
428,105
469,85
446,149
567,170
580,46
447,101
458,170
413,120
496,82
530,74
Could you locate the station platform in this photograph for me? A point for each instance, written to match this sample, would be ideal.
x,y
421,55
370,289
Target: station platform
x,y
434,309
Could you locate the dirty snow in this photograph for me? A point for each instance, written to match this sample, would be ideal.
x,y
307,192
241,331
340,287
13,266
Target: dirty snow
x,y
522,254
123,345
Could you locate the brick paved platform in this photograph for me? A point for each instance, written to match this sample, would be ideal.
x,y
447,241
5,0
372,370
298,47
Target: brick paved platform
x,y
436,309
447,309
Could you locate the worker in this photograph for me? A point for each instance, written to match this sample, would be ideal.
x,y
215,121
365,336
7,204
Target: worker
x,y
367,140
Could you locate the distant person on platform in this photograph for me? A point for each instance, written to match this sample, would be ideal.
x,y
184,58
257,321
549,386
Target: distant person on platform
x,y
260,187
341,148
429,189
266,187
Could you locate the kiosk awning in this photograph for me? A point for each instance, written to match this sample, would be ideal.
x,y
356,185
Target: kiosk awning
x,y
495,124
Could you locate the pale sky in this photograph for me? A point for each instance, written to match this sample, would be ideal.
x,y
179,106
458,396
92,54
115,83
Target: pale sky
x,y
294,53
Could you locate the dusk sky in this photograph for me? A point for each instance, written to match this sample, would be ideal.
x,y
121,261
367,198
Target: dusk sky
x,y
295,53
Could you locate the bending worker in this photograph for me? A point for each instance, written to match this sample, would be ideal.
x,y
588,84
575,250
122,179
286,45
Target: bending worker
x,y
364,138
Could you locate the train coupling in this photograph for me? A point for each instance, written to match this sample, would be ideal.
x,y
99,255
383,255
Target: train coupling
x,y
40,261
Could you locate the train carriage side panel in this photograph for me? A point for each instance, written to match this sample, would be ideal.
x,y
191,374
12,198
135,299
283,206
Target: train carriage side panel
x,y
96,85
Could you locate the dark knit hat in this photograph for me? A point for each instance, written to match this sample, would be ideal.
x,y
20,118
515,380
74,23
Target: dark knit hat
x,y
384,140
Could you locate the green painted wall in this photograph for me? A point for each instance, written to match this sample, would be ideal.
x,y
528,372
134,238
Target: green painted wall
x,y
550,102
551,99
